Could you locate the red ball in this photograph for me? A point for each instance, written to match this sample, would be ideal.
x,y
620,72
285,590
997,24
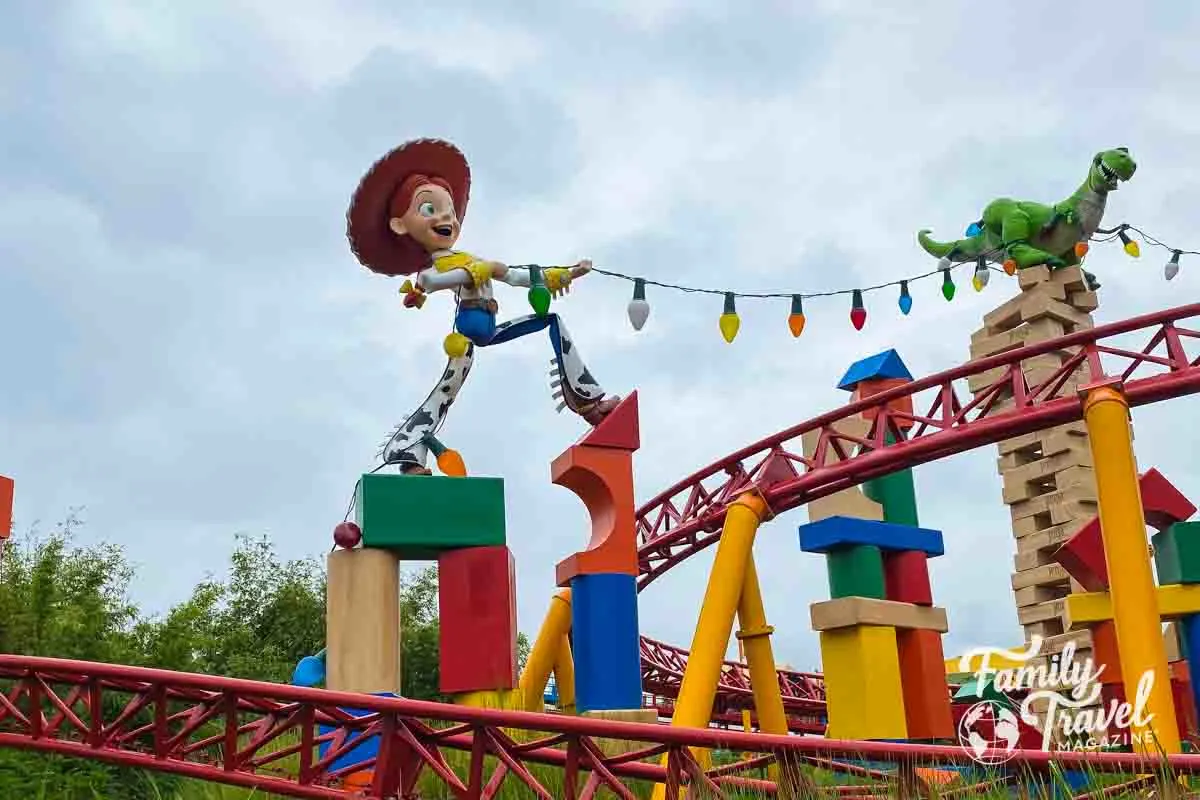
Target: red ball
x,y
347,535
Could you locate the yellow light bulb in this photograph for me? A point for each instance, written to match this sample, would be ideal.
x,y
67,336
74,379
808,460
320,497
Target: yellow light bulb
x,y
977,283
1131,247
729,322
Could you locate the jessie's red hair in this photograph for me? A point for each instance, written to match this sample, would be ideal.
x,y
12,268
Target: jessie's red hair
x,y
407,189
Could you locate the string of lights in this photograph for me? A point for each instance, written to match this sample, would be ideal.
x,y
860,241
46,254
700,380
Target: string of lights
x,y
729,323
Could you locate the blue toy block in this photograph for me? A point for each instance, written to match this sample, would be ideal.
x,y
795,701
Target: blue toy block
x,y
881,365
367,747
835,532
604,638
1189,630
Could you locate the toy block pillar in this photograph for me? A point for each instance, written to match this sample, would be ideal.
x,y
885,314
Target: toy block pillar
x,y
882,658
1048,480
602,577
477,617
362,621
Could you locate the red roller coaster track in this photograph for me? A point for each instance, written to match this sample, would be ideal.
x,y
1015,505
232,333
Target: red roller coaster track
x,y
687,517
267,736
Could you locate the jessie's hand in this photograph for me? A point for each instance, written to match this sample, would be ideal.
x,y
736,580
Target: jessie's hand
x,y
558,280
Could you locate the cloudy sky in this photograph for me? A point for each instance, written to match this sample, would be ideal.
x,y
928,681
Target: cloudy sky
x,y
191,351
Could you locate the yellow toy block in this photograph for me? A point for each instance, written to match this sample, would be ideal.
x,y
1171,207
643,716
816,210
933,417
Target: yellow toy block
x,y
954,666
1174,600
502,699
847,612
863,694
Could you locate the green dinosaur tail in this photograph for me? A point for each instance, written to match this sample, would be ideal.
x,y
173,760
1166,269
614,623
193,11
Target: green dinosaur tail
x,y
961,250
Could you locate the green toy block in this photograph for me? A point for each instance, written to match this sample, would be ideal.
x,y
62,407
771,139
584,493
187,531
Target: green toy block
x,y
420,516
1177,553
896,493
856,572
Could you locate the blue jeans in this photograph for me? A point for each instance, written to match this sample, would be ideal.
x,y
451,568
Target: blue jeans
x,y
480,327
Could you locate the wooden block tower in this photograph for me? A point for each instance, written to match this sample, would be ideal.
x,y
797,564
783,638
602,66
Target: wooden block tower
x,y
1048,483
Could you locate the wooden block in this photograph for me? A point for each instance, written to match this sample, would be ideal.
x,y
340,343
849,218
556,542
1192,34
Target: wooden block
x,y
477,616
906,577
422,516
923,679
1075,454
864,695
1034,595
848,502
1017,487
856,571
1049,441
1041,612
1046,628
1177,553
1083,301
1032,276
6,507
362,621
1105,652
1042,306
984,343
1056,642
1012,313
846,612
1175,600
1026,562
1082,556
1171,642
1046,575
1070,278
1048,539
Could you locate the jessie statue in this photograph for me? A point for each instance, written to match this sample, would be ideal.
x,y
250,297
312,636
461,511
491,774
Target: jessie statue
x,y
404,219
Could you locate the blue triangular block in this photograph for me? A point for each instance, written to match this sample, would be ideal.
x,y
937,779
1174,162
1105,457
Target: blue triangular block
x,y
887,364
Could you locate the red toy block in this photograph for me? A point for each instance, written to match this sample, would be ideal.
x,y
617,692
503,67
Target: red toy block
x,y
1104,651
619,429
1082,556
906,577
477,615
6,506
1163,504
923,681
603,478
874,386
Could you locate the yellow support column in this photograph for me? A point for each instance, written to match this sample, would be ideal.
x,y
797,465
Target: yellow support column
x,y
545,650
1135,604
722,596
698,690
755,637
564,676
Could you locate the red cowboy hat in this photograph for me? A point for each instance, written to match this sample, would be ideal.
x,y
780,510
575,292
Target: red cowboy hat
x,y
375,245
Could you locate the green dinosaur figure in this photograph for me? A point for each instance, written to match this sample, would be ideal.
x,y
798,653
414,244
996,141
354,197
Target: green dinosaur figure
x,y
1031,233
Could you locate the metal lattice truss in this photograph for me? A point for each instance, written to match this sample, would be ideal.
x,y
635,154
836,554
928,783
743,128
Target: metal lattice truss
x,y
287,739
803,693
687,517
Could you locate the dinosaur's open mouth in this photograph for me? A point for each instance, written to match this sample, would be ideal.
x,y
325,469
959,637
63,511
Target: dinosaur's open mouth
x,y
1109,175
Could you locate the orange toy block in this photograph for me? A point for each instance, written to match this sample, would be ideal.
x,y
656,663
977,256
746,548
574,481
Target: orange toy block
x,y
602,477
874,386
923,681
6,506
1104,651
906,577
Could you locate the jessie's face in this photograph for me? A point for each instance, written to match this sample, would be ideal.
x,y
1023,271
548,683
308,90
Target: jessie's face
x,y
430,219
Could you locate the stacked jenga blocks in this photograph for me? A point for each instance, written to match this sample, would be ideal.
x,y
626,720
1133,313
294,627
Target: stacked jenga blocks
x,y
881,647
602,577
460,522
1048,481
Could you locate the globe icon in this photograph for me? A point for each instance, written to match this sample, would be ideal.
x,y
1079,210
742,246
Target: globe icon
x,y
989,732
